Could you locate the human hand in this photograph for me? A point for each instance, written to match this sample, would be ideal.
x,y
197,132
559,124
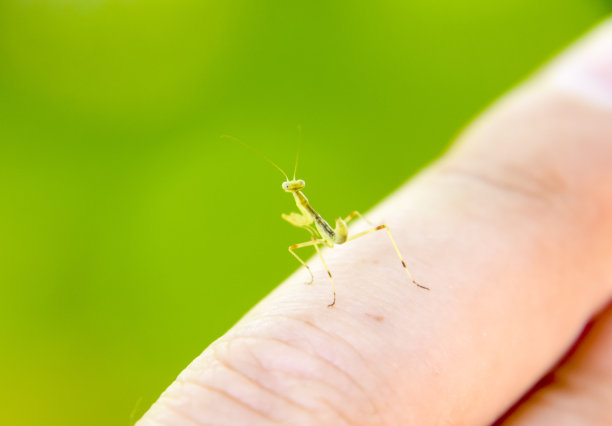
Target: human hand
x,y
511,230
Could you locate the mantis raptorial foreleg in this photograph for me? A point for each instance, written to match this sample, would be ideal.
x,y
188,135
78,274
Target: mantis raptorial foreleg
x,y
297,219
328,273
399,254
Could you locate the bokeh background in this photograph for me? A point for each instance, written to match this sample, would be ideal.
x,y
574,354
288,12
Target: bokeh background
x,y
131,236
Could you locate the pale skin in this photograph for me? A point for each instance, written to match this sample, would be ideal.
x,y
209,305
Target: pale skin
x,y
512,231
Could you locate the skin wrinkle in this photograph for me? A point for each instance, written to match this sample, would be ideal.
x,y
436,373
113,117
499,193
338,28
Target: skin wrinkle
x,y
318,358
250,379
155,421
527,112
531,193
179,413
313,355
533,187
336,410
556,210
556,205
323,401
569,177
333,337
375,409
229,397
317,355
230,367
551,115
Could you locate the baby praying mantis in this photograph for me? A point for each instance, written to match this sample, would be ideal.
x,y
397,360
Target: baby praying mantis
x,y
321,233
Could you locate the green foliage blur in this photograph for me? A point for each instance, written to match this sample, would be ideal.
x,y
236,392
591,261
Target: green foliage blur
x,y
131,236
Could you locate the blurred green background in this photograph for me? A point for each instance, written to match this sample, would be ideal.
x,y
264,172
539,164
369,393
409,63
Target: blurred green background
x,y
128,241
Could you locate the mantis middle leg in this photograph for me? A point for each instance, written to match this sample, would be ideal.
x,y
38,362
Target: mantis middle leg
x,y
315,243
293,247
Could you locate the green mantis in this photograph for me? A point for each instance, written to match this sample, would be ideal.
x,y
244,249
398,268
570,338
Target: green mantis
x,y
321,233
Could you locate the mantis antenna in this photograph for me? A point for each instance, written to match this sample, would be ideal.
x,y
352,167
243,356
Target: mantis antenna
x,y
297,156
249,147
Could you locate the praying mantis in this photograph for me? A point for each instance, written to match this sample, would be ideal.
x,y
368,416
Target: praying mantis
x,y
321,233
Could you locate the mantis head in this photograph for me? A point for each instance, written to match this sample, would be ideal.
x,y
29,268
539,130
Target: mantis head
x,y
293,185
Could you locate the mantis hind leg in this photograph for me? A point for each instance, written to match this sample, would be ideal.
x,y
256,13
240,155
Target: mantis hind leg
x,y
331,279
399,254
